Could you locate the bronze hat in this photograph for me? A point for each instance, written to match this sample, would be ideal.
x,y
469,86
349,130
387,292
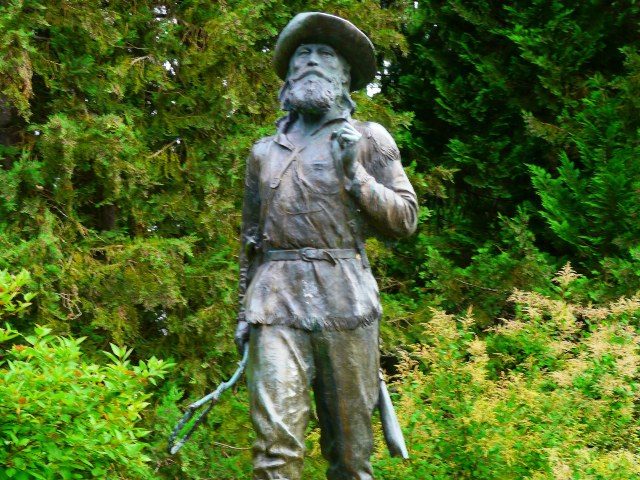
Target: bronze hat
x,y
342,35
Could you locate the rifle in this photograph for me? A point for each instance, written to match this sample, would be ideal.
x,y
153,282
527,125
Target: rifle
x,y
390,425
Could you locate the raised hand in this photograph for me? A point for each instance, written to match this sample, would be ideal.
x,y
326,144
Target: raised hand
x,y
344,148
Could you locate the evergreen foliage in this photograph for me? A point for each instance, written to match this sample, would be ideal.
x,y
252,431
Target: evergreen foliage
x,y
534,106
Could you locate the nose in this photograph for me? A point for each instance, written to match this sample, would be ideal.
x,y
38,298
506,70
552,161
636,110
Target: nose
x,y
312,60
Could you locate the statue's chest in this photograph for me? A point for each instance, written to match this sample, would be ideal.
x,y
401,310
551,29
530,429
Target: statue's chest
x,y
308,171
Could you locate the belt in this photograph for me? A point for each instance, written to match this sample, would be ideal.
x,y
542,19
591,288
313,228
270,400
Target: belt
x,y
309,254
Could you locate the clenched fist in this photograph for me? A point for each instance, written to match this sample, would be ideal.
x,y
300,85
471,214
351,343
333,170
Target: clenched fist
x,y
344,149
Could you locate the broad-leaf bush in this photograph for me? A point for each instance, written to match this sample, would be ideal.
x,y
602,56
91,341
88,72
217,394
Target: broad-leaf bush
x,y
12,300
64,417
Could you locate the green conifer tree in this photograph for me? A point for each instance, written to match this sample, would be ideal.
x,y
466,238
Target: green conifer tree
x,y
533,105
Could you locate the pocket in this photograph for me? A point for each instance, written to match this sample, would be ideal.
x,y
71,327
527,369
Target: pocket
x,y
319,176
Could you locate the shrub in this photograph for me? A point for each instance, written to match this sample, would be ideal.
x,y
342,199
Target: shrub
x,y
550,393
61,417
12,301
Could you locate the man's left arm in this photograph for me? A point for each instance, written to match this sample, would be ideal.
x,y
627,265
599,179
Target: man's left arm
x,y
380,185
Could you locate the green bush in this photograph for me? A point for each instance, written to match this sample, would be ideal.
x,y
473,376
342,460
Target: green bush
x,y
551,393
62,417
12,301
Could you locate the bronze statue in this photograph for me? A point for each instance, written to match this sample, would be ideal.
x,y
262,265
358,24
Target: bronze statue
x,y
310,306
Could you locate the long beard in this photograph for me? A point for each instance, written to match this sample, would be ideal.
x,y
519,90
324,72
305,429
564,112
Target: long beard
x,y
311,95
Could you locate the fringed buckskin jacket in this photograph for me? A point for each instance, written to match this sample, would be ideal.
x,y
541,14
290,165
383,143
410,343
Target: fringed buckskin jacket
x,y
295,198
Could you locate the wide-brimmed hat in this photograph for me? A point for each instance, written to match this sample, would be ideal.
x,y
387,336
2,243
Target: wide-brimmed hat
x,y
342,35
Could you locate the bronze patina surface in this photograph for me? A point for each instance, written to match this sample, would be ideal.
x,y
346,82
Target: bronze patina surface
x,y
310,306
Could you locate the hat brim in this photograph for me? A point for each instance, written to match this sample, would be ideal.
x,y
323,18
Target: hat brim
x,y
342,35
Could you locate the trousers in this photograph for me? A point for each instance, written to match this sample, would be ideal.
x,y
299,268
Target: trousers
x,y
341,368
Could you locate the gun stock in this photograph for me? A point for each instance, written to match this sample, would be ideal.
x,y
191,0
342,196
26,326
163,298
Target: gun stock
x,y
390,425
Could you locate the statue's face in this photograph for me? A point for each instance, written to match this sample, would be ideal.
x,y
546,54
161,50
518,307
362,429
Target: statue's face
x,y
319,58
317,76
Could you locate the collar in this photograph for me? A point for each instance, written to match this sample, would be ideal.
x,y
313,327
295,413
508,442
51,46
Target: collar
x,y
285,122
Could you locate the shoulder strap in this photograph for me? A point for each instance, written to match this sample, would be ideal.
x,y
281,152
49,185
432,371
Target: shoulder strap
x,y
274,184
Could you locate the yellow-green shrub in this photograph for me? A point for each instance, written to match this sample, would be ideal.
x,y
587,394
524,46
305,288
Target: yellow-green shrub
x,y
549,394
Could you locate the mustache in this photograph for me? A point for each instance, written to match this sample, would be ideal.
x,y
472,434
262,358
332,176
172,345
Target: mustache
x,y
311,71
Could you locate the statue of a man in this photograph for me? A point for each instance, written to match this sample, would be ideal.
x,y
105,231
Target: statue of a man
x,y
310,306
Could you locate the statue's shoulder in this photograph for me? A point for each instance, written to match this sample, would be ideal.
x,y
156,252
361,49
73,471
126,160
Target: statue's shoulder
x,y
261,146
382,145
372,130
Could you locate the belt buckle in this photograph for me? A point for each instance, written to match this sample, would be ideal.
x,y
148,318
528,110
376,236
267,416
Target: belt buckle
x,y
304,254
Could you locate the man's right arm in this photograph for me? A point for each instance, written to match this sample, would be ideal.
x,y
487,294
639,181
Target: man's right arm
x,y
249,242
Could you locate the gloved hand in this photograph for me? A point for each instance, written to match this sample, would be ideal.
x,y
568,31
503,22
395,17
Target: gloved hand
x,y
242,335
344,149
